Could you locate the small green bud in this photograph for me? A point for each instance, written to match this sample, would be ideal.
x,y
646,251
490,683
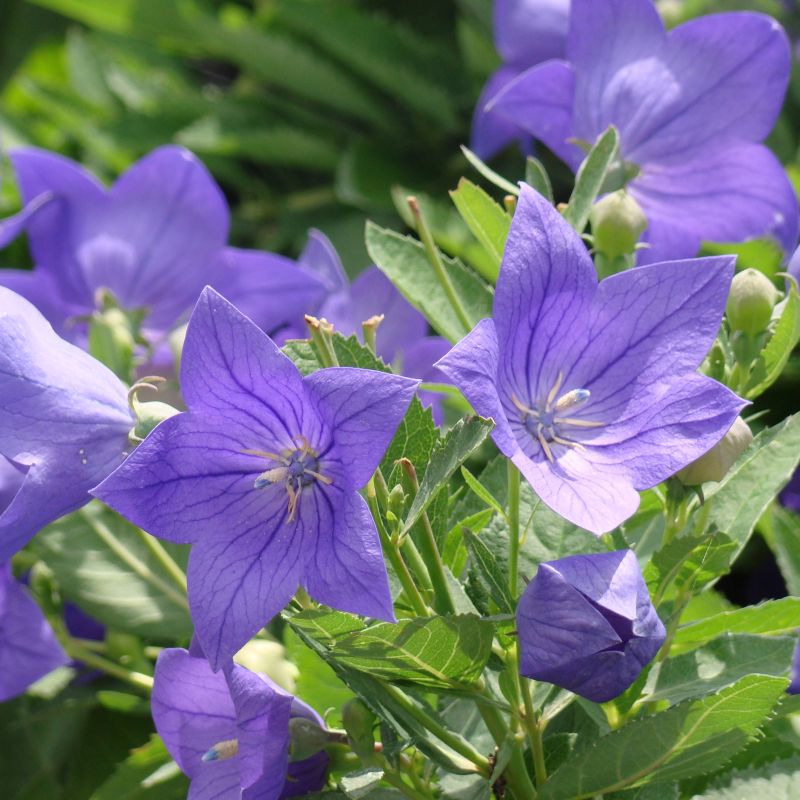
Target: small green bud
x,y
359,722
750,302
714,465
397,499
150,414
112,340
617,224
305,738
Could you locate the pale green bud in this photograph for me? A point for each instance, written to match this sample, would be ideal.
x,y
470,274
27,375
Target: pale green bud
x,y
617,224
750,302
263,655
714,465
359,722
150,414
305,738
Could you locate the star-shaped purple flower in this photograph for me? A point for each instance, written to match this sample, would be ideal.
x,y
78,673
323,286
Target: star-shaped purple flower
x,y
692,107
526,33
586,624
593,387
262,476
229,731
28,647
154,240
402,339
64,424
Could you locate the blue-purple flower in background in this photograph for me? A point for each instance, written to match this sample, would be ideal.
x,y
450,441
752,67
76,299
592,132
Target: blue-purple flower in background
x,y
526,33
593,387
153,240
262,476
402,337
28,647
586,624
64,424
692,107
230,731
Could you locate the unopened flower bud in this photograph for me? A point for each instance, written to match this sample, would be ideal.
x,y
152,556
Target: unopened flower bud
x,y
750,302
150,414
359,722
617,224
396,501
714,465
262,655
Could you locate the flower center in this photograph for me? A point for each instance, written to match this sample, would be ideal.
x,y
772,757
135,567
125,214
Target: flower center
x,y
546,421
295,468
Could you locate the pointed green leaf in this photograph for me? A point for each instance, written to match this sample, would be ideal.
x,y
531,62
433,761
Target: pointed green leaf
x,y
489,173
691,738
590,179
402,259
781,530
487,220
777,780
450,453
537,177
493,579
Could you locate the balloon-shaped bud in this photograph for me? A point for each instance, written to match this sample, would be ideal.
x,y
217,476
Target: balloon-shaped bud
x,y
359,722
586,624
714,465
750,302
617,224
150,414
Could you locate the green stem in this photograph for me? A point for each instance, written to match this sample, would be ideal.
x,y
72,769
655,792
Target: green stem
x,y
392,552
534,731
516,774
431,556
165,559
513,528
435,259
138,566
80,653
451,739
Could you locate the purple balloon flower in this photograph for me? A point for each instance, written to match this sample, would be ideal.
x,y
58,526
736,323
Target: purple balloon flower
x,y
262,476
28,647
526,33
64,424
692,107
593,388
154,240
229,731
586,624
402,339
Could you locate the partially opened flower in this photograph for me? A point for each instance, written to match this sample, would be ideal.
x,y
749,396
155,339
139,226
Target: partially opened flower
x,y
526,33
262,476
402,337
692,107
230,731
28,647
64,423
153,240
593,387
586,624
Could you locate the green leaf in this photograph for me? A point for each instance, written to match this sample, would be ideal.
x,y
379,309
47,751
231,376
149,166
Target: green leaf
x,y
590,178
415,439
774,356
487,220
771,618
349,353
738,502
481,491
382,701
448,455
691,738
109,568
326,626
147,774
537,177
447,652
765,255
782,533
494,580
718,664
402,259
489,173
778,780
391,56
